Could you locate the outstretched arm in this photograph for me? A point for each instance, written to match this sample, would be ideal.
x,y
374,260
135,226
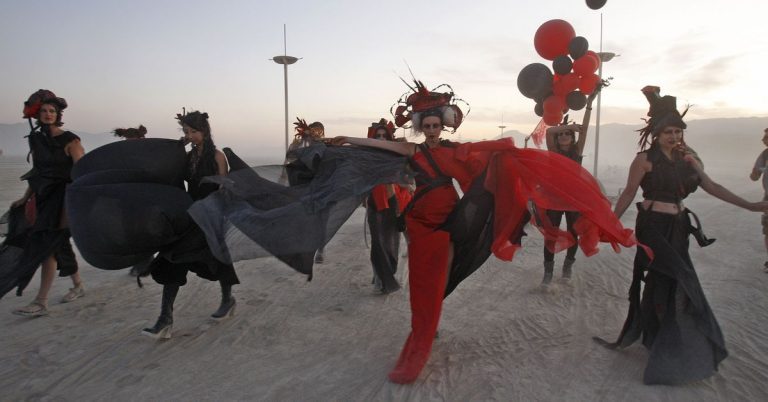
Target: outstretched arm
x,y
637,170
721,192
585,121
402,148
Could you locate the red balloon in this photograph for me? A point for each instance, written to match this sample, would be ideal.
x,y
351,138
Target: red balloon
x,y
552,38
552,119
585,65
588,83
597,58
570,82
554,104
558,86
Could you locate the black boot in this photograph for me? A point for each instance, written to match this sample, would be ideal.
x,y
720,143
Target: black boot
x,y
568,267
227,306
549,269
162,328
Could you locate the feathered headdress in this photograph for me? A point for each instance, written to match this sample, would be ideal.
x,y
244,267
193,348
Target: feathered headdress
x,y
412,105
196,120
382,124
36,100
661,113
33,103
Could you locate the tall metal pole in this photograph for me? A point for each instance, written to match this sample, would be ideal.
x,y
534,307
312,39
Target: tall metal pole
x,y
285,74
599,95
285,60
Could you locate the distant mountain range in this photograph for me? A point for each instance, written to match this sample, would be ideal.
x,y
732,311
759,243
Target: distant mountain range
x,y
725,143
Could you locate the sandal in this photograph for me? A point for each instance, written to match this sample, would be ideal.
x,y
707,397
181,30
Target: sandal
x,y
34,309
74,294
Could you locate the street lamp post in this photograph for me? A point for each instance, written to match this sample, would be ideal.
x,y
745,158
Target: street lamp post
x,y
604,58
285,60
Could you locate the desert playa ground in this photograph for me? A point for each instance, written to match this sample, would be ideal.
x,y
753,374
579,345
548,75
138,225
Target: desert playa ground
x,y
501,337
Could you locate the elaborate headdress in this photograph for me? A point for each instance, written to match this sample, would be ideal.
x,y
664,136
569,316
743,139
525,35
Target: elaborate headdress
x,y
304,130
36,100
196,120
414,106
382,124
662,113
131,132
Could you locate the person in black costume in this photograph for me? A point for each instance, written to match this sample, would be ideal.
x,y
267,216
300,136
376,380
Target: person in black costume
x,y
306,135
53,152
383,207
671,312
202,160
562,139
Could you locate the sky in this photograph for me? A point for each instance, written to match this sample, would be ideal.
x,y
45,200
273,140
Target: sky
x,y
124,63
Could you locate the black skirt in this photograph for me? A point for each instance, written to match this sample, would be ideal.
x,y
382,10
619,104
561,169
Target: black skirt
x,y
672,316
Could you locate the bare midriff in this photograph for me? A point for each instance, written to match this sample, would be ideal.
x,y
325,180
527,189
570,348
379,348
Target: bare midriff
x,y
663,207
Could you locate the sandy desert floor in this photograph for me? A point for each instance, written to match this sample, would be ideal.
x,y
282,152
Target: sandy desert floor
x,y
501,337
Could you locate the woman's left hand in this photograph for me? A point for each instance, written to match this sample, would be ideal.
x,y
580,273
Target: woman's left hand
x,y
760,206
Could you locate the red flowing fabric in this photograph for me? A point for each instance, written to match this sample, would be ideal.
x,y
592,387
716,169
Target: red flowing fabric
x,y
515,177
539,133
381,198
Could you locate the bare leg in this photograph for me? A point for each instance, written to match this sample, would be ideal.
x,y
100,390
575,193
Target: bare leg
x,y
47,275
76,279
39,306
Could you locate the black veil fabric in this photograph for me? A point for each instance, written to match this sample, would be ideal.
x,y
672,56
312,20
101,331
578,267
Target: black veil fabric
x,y
127,201
471,228
251,216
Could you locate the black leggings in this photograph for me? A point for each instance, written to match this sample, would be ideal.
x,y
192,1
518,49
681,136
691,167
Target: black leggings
x,y
570,218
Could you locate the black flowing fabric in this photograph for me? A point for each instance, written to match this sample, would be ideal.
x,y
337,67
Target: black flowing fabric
x,y
251,216
672,316
385,244
471,228
29,244
127,202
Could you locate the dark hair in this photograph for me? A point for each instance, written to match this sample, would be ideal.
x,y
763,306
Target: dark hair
x,y
199,122
436,112
317,125
56,103
131,132
662,113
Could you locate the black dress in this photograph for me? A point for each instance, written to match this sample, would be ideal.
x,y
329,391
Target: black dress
x,y
47,236
556,217
166,272
385,242
672,315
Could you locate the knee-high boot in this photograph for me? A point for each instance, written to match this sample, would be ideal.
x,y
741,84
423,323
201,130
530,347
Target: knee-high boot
x,y
227,306
162,328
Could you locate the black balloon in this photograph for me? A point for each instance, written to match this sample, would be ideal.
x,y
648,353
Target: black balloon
x,y
535,81
596,4
576,100
539,109
562,65
578,47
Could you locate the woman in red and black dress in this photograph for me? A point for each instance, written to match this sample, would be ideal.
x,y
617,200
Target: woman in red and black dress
x,y
54,151
384,206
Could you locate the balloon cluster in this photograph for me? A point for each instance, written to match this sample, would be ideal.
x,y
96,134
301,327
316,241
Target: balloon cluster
x,y
574,75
